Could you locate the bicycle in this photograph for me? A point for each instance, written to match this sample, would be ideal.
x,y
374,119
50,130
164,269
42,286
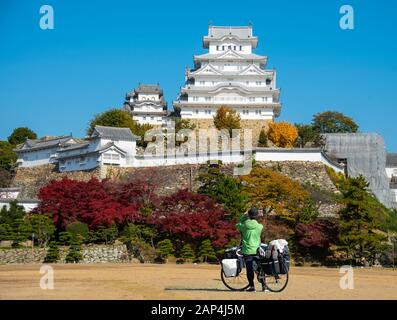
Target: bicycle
x,y
274,282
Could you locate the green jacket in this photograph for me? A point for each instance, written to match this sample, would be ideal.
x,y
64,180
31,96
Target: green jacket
x,y
251,231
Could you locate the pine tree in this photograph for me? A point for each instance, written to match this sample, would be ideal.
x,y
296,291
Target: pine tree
x,y
52,253
225,190
187,252
206,251
262,142
74,254
359,235
165,248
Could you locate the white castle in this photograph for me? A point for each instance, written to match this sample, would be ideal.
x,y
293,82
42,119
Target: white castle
x,y
230,74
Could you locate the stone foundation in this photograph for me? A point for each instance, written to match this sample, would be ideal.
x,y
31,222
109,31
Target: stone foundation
x,y
90,253
255,125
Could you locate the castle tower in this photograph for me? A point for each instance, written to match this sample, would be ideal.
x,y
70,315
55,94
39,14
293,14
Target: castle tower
x,y
230,74
146,104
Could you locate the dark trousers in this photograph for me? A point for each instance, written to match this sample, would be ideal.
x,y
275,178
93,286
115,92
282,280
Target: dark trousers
x,y
249,264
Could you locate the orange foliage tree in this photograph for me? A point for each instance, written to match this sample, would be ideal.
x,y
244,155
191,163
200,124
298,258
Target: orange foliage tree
x,y
266,188
227,118
282,134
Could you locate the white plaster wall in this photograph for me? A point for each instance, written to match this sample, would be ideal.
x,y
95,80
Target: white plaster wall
x,y
35,158
28,206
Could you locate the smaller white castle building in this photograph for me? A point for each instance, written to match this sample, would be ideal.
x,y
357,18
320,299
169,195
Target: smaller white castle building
x,y
146,105
106,146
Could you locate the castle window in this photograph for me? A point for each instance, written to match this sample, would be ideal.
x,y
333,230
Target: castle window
x,y
207,98
223,48
229,47
268,81
235,48
241,48
196,111
217,48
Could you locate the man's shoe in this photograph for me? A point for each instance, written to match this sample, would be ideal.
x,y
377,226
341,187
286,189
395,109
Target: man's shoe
x,y
265,289
250,289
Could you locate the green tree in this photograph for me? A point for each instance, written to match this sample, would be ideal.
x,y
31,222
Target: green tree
x,y
187,252
308,136
227,118
52,255
224,189
5,232
13,213
43,228
262,142
206,251
111,118
165,248
7,156
65,238
21,231
78,230
359,234
19,135
107,234
74,255
308,213
139,238
121,119
333,122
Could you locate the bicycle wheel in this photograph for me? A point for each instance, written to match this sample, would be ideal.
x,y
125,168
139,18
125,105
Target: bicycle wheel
x,y
276,283
238,283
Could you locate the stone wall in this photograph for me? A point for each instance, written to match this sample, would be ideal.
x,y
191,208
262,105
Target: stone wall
x,y
91,254
32,179
255,125
169,178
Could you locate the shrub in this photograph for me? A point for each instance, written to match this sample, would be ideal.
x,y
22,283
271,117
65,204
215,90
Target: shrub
x,y
52,253
187,252
74,255
206,251
165,249
78,230
262,142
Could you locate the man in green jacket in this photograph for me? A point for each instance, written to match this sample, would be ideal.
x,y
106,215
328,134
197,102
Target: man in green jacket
x,y
251,231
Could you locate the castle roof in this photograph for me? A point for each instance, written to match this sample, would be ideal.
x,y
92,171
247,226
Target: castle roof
x,y
114,133
45,143
243,33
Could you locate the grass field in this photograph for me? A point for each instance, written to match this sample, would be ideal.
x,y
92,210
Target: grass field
x,y
148,281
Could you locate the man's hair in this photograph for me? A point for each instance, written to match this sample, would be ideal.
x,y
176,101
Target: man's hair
x,y
253,213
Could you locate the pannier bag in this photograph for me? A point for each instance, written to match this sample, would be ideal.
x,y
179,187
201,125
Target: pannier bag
x,y
230,267
276,259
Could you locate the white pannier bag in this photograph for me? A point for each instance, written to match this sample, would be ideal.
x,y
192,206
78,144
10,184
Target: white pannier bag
x,y
230,267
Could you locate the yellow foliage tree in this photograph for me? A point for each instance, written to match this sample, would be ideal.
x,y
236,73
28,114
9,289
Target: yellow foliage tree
x,y
282,134
227,118
266,188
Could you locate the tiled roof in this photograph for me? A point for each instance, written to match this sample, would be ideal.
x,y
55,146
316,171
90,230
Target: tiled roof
x,y
42,143
242,32
74,146
114,133
149,88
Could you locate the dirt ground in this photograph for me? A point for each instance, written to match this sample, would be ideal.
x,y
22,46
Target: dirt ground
x,y
136,281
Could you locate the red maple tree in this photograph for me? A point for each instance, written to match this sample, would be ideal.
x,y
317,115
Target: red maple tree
x,y
85,201
192,218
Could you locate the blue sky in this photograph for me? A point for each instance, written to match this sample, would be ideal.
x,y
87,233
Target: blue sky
x,y
54,81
